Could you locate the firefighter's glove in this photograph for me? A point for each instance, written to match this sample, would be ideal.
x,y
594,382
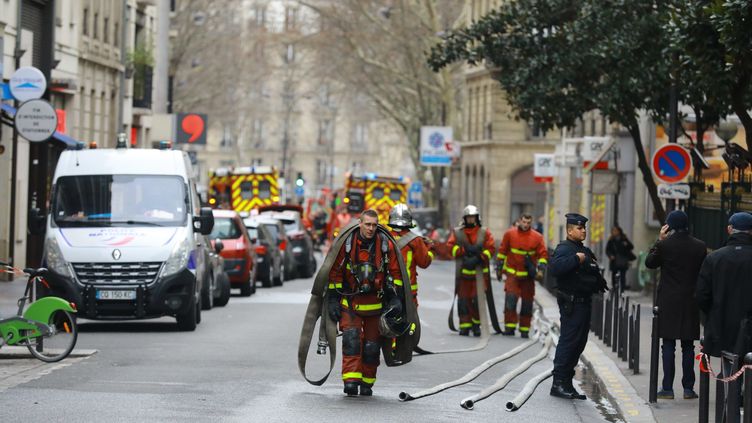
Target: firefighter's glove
x,y
333,307
541,271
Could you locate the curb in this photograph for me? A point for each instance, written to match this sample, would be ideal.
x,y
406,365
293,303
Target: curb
x,y
23,352
615,385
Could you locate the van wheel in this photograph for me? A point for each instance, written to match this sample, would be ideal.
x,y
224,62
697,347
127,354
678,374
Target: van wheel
x,y
224,290
280,276
187,320
207,297
245,289
266,282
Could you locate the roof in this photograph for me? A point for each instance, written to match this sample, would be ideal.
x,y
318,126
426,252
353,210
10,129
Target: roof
x,y
283,215
123,161
257,220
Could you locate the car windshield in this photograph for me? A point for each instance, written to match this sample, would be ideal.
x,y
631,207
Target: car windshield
x,y
119,200
290,224
225,228
252,233
273,231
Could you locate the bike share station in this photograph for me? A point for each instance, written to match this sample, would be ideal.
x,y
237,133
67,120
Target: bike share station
x,y
44,328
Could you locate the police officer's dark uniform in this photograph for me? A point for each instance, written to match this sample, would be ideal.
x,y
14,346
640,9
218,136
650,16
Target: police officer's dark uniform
x,y
576,283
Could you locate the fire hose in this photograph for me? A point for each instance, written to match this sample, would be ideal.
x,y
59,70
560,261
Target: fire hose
x,y
501,383
527,390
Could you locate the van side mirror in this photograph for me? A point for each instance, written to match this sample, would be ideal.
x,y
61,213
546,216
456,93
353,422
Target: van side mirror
x,y
218,246
254,240
204,222
37,222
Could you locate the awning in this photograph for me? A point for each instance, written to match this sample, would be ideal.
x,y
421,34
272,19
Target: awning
x,y
57,136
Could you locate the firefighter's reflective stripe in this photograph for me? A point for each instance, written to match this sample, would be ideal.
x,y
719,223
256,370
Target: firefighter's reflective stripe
x,y
472,271
523,252
352,375
333,285
363,307
487,253
501,256
476,321
430,254
524,329
454,250
369,380
398,282
511,325
465,325
542,261
414,288
514,272
408,262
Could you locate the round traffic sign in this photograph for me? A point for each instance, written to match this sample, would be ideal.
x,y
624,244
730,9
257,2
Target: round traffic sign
x,y
27,83
671,163
36,120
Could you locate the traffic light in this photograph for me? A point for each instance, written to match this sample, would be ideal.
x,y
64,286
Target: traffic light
x,y
299,182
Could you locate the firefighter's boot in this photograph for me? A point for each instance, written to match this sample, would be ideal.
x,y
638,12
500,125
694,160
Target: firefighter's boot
x,y
351,389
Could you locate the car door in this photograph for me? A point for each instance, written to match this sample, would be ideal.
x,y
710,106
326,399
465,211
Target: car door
x,y
201,251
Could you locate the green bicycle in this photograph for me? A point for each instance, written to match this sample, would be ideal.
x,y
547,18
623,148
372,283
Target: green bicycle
x,y
47,327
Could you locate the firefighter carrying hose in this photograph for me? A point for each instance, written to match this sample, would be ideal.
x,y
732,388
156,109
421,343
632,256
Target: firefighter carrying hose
x,y
364,286
413,247
522,258
471,245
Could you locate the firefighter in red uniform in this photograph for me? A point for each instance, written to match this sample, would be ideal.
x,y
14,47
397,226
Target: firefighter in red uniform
x,y
412,246
522,258
471,245
364,282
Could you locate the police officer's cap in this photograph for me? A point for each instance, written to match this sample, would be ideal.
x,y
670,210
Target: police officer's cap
x,y
576,219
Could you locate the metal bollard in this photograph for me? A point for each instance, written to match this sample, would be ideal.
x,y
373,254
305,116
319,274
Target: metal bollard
x,y
704,406
630,350
636,347
607,322
624,331
748,389
617,324
653,388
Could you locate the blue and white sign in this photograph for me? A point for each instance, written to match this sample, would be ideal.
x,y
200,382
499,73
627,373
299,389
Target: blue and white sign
x,y
436,146
415,195
27,83
299,191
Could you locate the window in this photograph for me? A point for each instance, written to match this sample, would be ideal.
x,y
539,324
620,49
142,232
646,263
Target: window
x,y
360,135
225,228
116,35
106,30
257,133
324,95
291,14
85,23
320,172
325,132
535,130
259,15
395,194
95,25
289,53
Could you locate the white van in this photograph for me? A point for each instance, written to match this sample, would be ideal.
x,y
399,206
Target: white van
x,y
124,235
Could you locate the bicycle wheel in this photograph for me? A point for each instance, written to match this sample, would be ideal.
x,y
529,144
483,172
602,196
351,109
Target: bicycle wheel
x,y
60,342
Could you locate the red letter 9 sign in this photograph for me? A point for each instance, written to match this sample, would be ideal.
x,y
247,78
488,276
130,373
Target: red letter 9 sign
x,y
191,128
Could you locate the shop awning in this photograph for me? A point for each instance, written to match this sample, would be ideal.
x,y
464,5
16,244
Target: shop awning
x,y
69,142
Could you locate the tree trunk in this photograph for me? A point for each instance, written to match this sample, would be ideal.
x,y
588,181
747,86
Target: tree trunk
x,y
647,175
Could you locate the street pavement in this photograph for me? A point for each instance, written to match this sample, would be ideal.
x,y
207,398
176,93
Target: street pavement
x,y
240,365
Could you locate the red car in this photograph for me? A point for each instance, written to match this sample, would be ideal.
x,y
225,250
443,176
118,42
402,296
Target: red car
x,y
238,252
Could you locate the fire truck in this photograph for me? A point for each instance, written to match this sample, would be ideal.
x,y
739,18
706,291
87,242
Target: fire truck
x,y
368,191
244,188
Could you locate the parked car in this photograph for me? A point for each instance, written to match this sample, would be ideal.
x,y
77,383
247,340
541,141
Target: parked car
x,y
270,249
220,281
238,251
302,260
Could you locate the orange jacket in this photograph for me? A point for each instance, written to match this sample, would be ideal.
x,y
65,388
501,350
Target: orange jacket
x,y
416,254
342,279
517,244
471,234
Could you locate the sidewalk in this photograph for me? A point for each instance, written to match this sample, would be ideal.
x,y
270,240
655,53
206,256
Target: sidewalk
x,y
630,392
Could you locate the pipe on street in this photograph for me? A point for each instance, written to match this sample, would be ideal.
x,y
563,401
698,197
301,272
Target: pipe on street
x,y
501,383
528,390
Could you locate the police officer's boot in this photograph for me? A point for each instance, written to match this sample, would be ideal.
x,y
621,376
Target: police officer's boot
x,y
476,329
559,389
351,389
366,390
573,392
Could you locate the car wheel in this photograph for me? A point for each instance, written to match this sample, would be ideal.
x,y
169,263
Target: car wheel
x,y
280,275
253,281
245,289
224,290
311,270
187,320
207,297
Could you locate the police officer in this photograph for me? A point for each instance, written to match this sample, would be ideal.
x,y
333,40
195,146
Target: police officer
x,y
578,277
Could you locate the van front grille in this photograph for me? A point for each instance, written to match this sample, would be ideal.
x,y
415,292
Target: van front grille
x,y
117,273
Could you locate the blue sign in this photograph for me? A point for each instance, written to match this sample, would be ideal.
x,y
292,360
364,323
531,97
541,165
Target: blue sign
x,y
299,191
415,195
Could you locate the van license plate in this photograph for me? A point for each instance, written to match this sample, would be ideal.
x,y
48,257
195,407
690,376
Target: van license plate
x,y
116,295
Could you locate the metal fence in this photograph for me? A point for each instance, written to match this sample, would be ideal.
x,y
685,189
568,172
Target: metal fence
x,y
617,323
709,211
728,392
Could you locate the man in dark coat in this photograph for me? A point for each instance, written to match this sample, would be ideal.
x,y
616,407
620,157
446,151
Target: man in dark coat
x,y
679,255
724,286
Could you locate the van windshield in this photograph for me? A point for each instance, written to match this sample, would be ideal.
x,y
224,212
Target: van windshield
x,y
119,200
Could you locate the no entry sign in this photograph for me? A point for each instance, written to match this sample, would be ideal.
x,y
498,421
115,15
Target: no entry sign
x,y
671,163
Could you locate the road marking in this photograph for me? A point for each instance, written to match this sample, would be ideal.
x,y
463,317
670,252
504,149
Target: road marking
x,y
16,371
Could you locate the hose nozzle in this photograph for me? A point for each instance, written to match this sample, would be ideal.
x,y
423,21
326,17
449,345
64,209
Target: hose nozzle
x,y
321,350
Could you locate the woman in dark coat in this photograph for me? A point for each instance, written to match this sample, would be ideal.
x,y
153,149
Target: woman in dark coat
x,y
619,252
680,256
